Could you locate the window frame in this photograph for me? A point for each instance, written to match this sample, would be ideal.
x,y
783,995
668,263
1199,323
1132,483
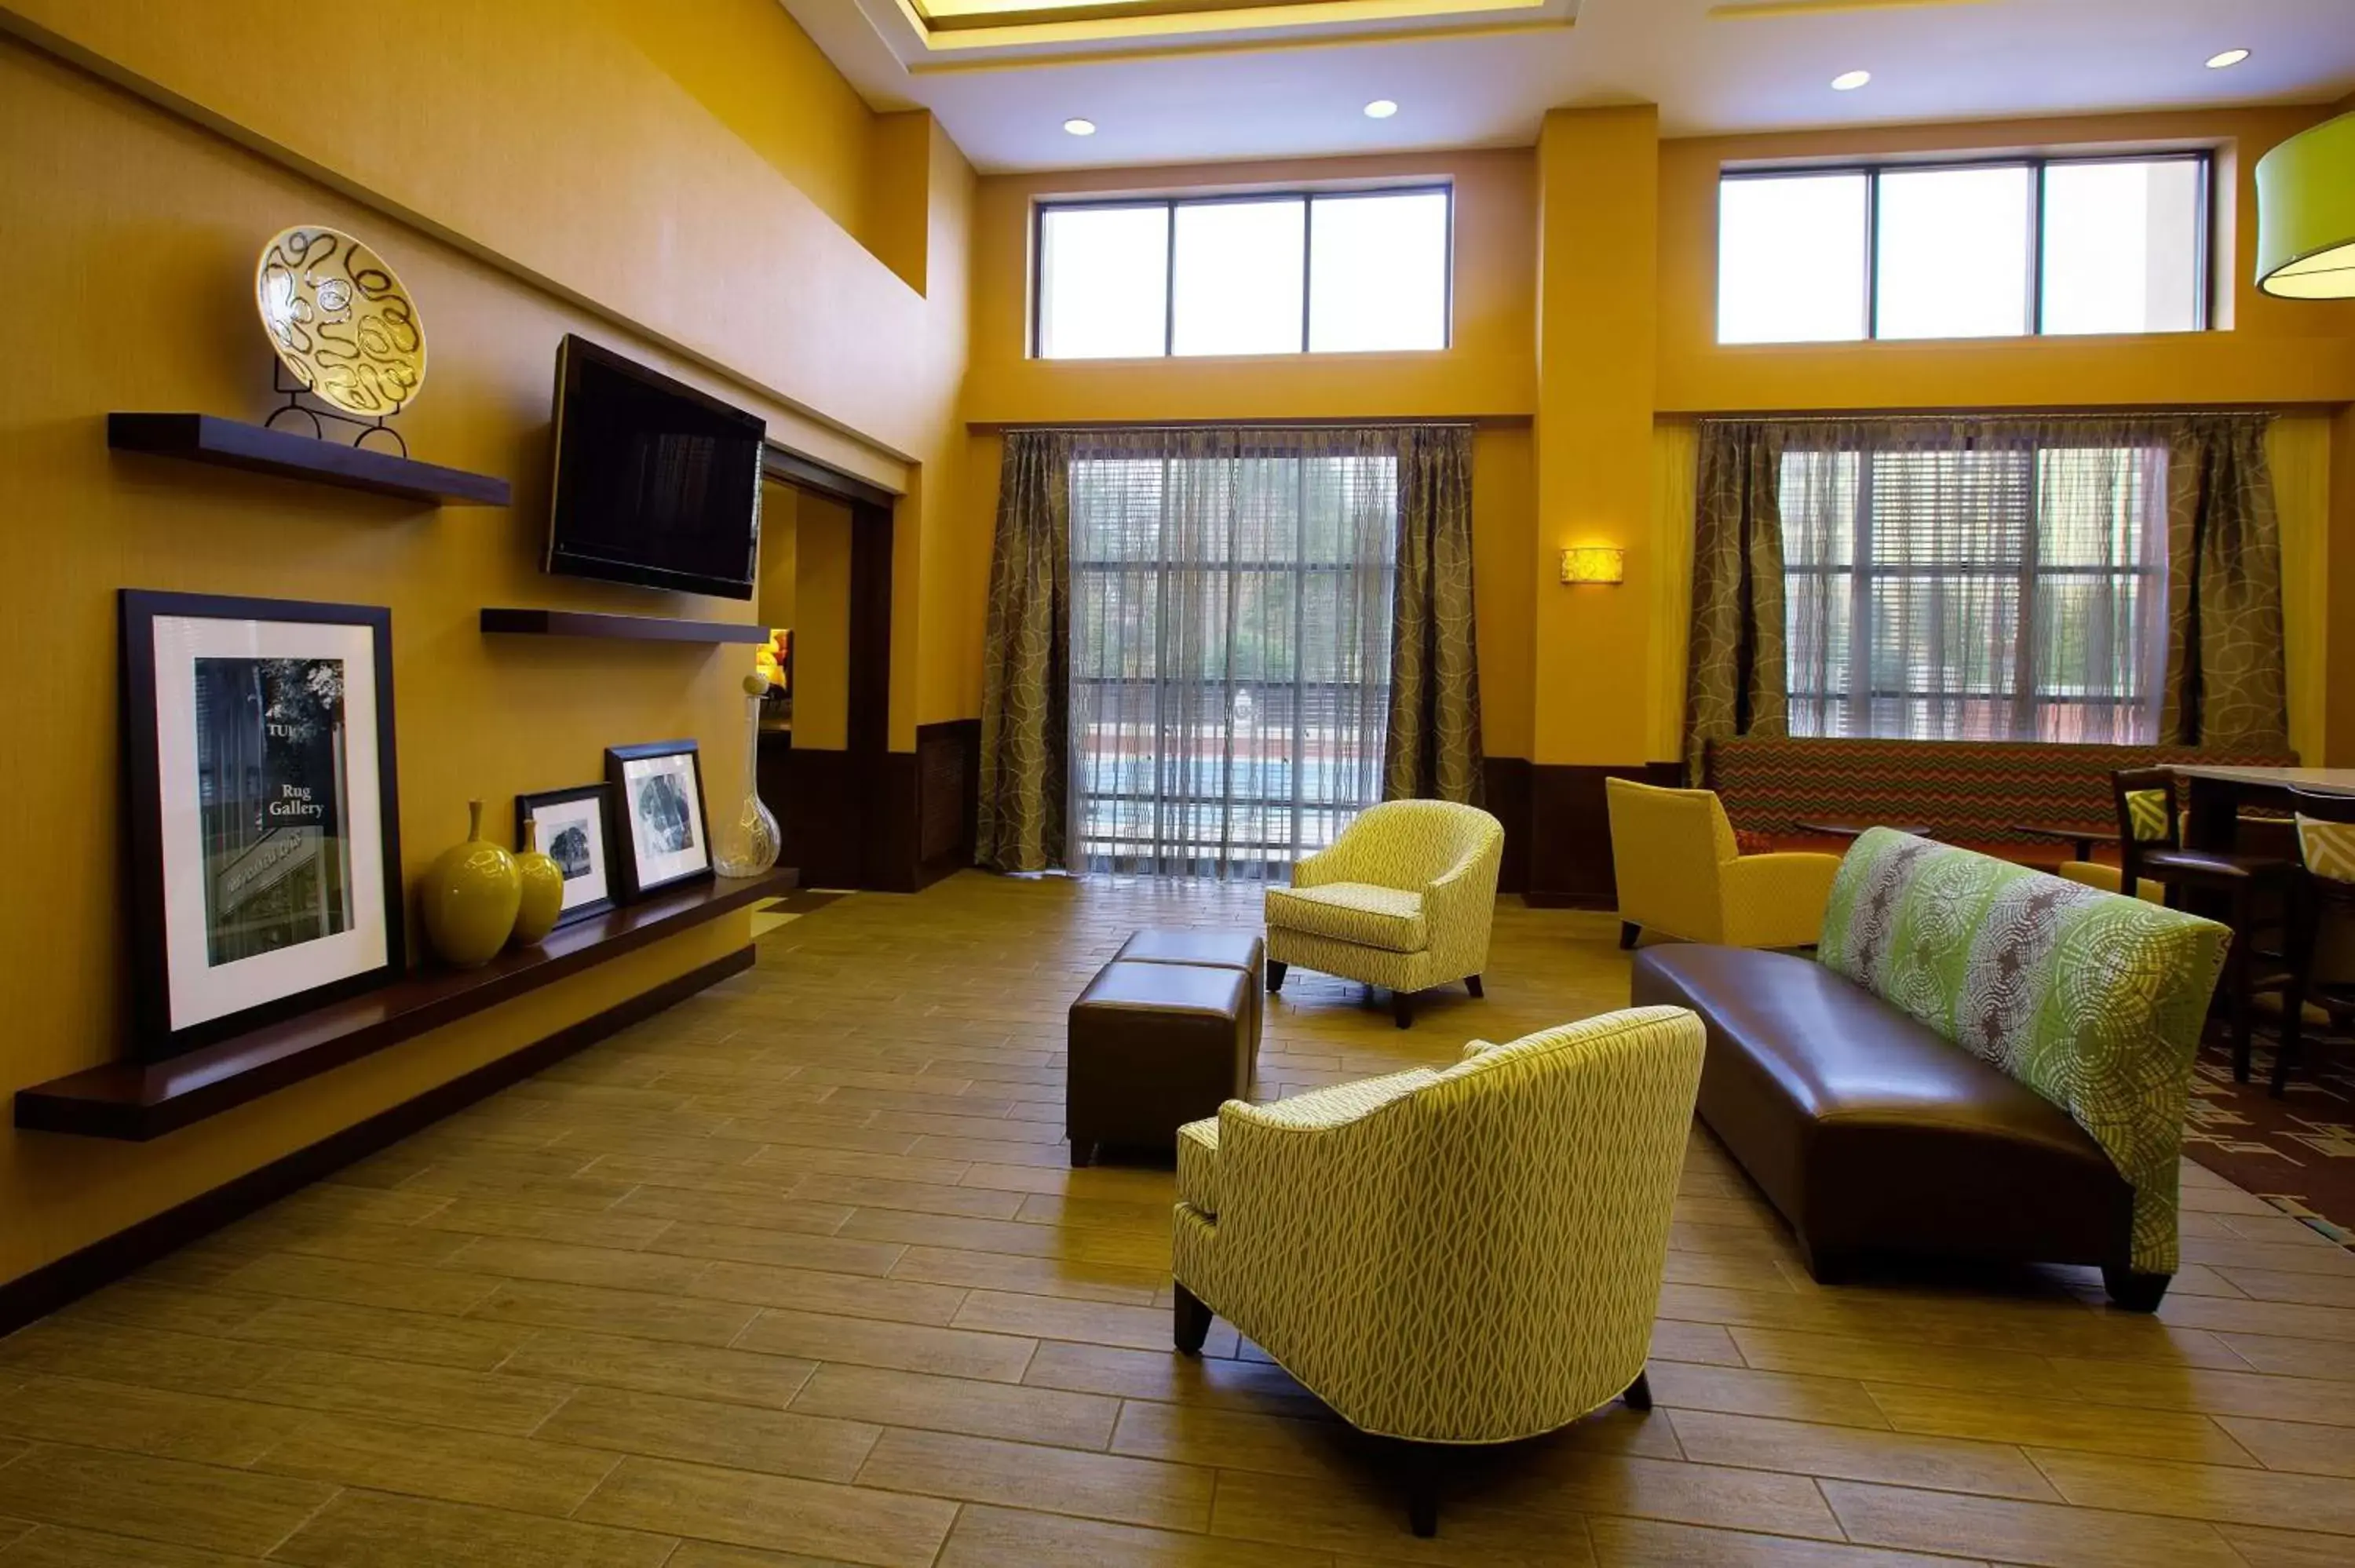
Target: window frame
x,y
2203,260
2031,575
1307,196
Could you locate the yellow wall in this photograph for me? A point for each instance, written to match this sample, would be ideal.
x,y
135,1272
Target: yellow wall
x,y
780,548
2277,351
1598,190
530,170
822,641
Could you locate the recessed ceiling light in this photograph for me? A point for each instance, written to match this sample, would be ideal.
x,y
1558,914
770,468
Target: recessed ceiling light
x,y
2229,57
1080,127
1850,80
1380,109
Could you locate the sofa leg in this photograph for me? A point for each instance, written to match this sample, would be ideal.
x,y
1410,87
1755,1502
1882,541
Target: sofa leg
x,y
1824,1268
1472,984
1629,934
1191,1321
1083,1153
2135,1292
1401,1009
1638,1395
1275,976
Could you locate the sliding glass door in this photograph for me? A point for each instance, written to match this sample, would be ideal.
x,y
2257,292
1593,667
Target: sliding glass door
x,y
1231,645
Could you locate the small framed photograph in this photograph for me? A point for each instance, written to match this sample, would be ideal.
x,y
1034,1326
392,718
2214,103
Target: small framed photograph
x,y
264,832
572,834
658,818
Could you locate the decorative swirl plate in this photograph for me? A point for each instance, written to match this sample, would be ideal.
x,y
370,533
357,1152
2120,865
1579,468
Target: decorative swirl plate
x,y
340,320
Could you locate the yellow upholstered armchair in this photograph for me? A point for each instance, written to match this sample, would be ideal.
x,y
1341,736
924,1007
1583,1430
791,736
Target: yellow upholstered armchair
x,y
1404,898
1460,1257
1681,874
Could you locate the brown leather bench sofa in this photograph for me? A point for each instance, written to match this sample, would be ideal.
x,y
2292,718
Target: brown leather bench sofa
x,y
2024,1102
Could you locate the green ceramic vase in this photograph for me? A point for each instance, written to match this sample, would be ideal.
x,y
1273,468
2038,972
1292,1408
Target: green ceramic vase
x,y
471,897
543,891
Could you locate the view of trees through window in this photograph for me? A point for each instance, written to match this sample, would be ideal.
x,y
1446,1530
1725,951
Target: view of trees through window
x,y
1229,654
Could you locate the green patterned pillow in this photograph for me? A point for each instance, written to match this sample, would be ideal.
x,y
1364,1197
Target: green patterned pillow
x,y
2093,1001
2147,814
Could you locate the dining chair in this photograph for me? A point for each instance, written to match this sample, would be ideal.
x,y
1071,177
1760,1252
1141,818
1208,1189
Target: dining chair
x,y
2239,889
2323,899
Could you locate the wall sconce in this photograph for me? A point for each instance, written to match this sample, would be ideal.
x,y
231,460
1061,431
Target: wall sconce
x,y
1604,564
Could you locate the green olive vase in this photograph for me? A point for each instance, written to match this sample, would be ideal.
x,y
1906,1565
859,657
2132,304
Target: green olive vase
x,y
471,896
543,891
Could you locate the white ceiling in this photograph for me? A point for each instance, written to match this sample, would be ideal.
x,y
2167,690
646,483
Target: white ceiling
x,y
1974,59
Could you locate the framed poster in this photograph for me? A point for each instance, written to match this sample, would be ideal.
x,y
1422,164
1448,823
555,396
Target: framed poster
x,y
572,834
264,844
658,821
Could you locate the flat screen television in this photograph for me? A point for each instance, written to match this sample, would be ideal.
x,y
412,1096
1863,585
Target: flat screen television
x,y
657,483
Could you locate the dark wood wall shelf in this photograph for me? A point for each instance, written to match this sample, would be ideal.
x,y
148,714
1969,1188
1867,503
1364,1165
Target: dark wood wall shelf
x,y
136,1101
229,443
622,628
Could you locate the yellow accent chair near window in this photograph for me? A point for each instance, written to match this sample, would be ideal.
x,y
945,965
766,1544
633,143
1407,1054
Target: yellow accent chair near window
x,y
1681,874
1462,1258
1402,899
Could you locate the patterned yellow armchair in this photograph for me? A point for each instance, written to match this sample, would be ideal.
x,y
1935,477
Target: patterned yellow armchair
x,y
1681,874
1403,899
1460,1257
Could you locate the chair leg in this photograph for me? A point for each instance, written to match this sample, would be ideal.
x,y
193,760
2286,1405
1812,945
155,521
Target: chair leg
x,y
1420,1470
2135,1292
1629,934
2244,938
1401,1010
1275,976
1191,1322
1472,984
2304,927
1638,1395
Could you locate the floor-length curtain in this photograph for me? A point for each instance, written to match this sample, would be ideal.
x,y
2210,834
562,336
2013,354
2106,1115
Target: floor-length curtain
x,y
2225,683
1026,663
1230,642
1433,750
1734,679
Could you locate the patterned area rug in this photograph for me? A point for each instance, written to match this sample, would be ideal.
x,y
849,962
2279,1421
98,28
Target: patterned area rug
x,y
2298,1152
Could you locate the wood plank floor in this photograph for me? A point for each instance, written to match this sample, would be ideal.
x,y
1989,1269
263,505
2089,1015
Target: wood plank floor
x,y
797,1274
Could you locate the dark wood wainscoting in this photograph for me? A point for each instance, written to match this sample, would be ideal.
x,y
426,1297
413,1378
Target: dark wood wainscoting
x,y
1558,829
1508,784
898,834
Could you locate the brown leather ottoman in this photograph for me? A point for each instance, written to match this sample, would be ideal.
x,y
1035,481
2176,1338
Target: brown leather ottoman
x,y
1154,1046
1244,950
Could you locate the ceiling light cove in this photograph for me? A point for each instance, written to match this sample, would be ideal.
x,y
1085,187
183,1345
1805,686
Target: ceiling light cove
x,y
2229,58
1080,127
960,35
1850,80
1380,109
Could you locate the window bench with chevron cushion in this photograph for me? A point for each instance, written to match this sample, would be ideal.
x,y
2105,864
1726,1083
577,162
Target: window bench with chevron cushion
x,y
1976,794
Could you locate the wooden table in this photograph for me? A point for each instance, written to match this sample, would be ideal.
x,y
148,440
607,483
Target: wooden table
x,y
1857,829
2219,793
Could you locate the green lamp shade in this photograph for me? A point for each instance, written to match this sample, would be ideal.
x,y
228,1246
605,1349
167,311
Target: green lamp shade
x,y
2305,215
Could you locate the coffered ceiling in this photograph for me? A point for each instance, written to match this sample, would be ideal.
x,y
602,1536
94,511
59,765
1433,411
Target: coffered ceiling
x,y
1182,81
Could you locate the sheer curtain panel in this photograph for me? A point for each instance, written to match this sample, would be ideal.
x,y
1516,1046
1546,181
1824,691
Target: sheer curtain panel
x,y
1230,642
1976,580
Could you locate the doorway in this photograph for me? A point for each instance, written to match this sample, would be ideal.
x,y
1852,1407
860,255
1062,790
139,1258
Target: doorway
x,y
825,759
